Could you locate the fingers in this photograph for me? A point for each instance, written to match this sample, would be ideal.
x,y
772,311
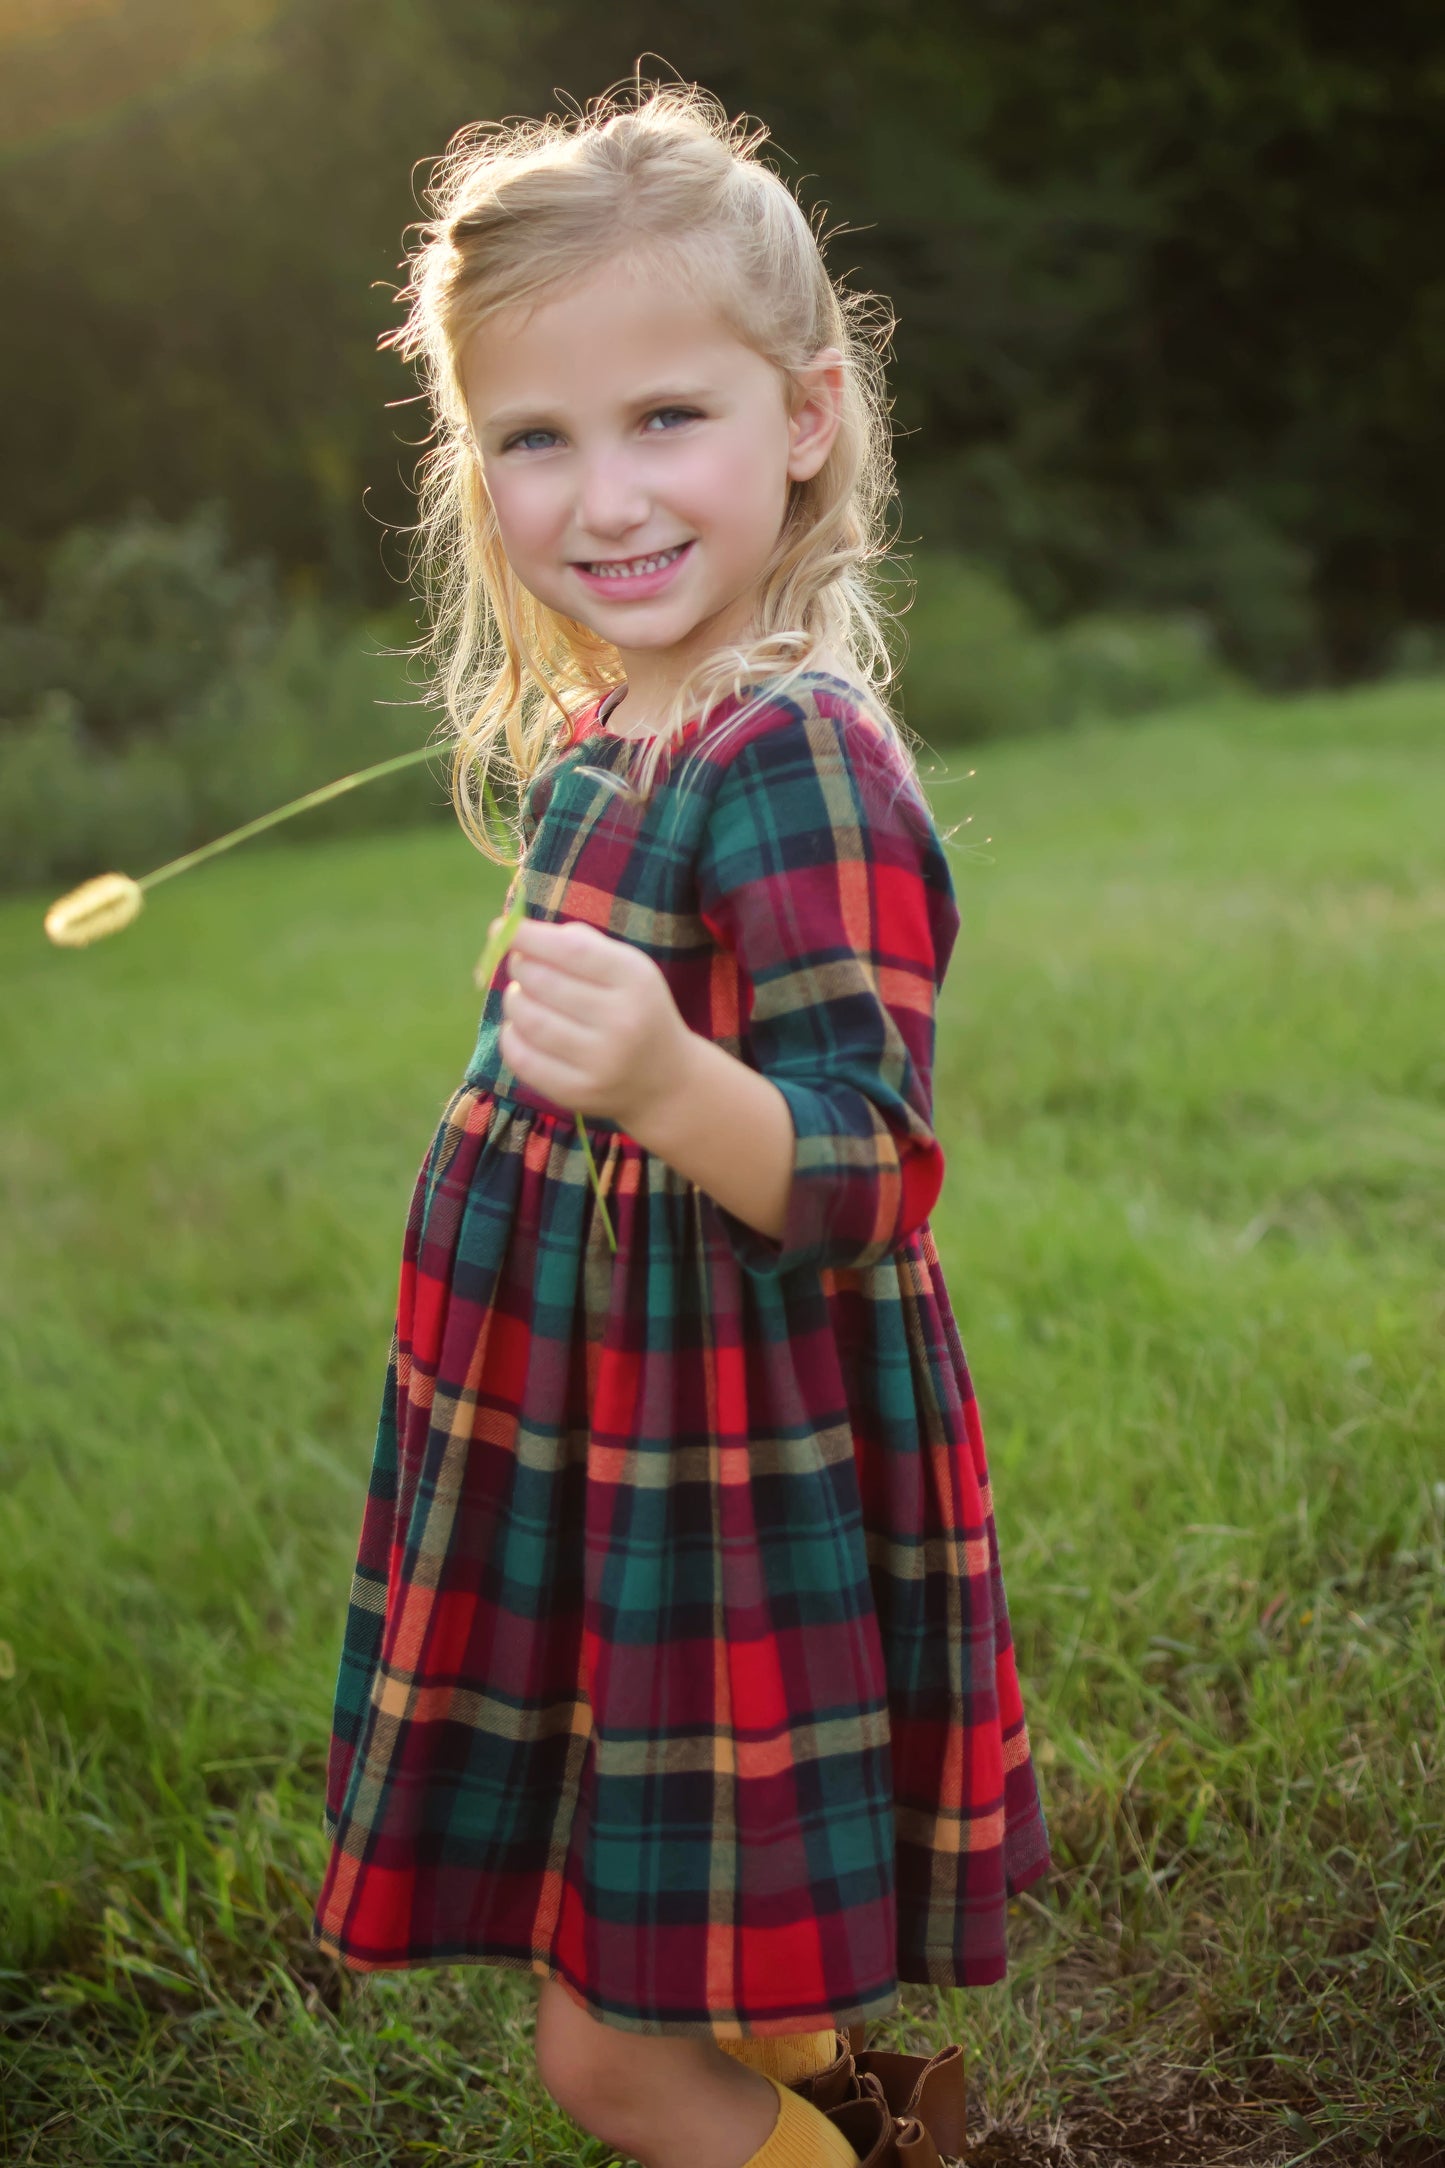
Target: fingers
x,y
568,946
551,1029
532,1046
543,982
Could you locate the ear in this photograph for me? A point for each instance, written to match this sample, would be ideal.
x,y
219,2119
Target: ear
x,y
817,413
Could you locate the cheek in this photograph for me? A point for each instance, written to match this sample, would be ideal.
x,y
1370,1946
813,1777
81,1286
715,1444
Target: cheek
x,y
526,511
739,488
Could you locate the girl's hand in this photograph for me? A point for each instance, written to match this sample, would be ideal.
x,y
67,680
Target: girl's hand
x,y
590,1021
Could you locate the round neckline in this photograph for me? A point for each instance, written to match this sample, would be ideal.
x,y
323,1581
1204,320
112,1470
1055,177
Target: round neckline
x,y
624,737
605,706
592,720
597,723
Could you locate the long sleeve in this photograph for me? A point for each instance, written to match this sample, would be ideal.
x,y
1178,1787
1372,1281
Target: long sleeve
x,y
825,885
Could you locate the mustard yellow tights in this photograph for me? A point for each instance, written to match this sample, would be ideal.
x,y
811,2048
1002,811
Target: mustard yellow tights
x,y
786,2056
802,2137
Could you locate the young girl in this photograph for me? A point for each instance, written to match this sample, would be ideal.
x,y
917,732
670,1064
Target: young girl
x,y
677,1669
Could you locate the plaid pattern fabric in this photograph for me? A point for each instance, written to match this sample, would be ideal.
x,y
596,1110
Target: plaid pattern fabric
x,y
677,1664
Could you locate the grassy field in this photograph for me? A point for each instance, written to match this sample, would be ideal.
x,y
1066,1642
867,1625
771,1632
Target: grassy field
x,y
1190,1080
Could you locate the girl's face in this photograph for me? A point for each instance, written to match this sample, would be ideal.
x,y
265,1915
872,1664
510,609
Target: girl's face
x,y
638,457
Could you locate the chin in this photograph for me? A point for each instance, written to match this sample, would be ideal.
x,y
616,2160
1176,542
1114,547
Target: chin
x,y
666,636
626,630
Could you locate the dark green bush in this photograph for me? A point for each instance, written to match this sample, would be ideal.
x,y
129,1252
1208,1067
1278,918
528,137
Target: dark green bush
x,y
68,810
1253,584
136,619
313,699
1130,663
325,701
1416,651
977,666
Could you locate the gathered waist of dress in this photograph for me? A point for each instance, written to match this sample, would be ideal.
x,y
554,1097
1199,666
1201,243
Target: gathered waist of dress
x,y
517,1094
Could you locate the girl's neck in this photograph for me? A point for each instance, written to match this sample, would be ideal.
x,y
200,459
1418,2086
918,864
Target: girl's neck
x,y
628,712
640,707
653,675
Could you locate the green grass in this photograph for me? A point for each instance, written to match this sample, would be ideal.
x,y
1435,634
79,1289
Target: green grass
x,y
1190,1079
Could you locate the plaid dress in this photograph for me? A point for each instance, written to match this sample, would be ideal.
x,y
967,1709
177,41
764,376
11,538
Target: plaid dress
x,y
677,1664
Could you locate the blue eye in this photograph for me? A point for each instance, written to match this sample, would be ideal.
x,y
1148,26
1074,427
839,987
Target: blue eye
x,y
528,439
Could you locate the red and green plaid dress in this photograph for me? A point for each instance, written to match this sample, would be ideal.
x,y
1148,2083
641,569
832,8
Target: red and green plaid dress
x,y
677,1665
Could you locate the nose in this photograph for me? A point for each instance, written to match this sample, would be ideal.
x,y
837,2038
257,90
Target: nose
x,y
610,498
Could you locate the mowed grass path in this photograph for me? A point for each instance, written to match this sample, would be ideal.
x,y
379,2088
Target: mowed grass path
x,y
1189,1080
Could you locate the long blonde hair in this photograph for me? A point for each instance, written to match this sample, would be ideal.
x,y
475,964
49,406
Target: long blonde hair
x,y
522,207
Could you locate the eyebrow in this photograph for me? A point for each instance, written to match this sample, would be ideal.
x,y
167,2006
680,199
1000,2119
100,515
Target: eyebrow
x,y
538,417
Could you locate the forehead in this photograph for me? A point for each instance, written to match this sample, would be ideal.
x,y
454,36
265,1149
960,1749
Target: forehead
x,y
598,341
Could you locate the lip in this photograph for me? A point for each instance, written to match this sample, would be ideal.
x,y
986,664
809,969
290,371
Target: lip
x,y
641,586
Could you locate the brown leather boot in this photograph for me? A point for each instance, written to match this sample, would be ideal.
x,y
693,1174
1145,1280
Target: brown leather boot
x,y
829,2088
928,2090
931,2089
877,2136
912,2145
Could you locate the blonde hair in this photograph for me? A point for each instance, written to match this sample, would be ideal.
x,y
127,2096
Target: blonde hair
x,y
523,207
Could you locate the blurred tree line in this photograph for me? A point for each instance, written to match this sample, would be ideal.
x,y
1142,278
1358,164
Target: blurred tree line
x,y
1169,285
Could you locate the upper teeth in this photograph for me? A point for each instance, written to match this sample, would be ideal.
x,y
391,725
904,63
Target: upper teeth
x,y
628,567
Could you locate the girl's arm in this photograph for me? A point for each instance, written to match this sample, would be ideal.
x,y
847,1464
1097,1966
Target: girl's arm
x,y
824,883
727,1128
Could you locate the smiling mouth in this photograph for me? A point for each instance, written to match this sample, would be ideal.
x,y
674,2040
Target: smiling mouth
x,y
631,568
